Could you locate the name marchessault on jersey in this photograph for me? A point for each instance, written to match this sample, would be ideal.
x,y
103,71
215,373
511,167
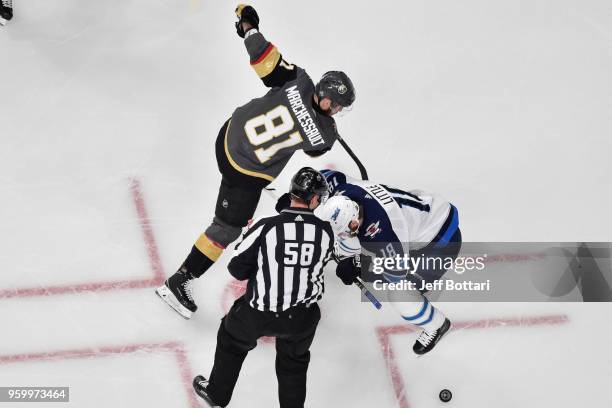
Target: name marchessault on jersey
x,y
303,116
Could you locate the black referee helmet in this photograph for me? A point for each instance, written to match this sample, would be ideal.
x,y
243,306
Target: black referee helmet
x,y
307,183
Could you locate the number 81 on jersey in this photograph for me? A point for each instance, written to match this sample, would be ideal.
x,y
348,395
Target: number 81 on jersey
x,y
275,123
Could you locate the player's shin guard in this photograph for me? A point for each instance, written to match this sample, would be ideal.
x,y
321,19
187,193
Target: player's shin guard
x,y
209,247
203,255
421,313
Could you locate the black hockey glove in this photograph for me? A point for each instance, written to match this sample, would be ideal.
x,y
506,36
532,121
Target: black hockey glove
x,y
283,202
317,153
348,270
246,14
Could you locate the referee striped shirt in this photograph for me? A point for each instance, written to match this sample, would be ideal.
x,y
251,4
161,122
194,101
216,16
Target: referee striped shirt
x,y
283,257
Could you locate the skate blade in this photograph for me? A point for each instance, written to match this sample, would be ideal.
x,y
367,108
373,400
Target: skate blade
x,y
167,296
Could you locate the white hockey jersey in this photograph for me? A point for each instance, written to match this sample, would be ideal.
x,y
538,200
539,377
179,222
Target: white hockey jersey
x,y
394,221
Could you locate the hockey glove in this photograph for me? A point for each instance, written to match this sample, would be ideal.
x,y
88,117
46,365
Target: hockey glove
x,y
246,14
348,270
317,153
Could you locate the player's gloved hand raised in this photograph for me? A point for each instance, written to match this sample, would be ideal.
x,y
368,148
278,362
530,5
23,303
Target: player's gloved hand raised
x,y
246,14
348,270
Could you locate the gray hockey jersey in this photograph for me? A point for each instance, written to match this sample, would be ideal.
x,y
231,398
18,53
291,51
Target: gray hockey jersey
x,y
264,133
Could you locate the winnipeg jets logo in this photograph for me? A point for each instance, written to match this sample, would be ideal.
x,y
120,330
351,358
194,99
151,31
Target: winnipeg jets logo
x,y
334,216
373,229
342,89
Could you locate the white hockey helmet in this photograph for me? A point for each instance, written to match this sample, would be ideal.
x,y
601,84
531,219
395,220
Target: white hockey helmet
x,y
339,211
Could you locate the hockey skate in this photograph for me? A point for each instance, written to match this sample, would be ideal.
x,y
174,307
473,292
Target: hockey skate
x,y
427,341
6,11
199,385
176,292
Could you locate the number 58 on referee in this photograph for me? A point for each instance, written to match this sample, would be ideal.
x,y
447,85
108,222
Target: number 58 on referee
x,y
282,257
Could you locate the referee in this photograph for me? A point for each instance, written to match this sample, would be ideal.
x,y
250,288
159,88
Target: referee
x,y
282,257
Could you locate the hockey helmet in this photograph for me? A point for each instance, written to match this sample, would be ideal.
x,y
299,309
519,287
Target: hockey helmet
x,y
307,183
337,86
339,211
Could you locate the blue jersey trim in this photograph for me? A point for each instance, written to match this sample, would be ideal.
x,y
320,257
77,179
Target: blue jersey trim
x,y
448,229
421,313
429,318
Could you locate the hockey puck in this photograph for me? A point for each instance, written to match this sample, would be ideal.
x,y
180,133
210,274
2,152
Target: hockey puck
x,y
445,395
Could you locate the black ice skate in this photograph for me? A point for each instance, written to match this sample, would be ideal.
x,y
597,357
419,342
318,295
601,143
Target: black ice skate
x,y
199,385
427,341
176,292
6,11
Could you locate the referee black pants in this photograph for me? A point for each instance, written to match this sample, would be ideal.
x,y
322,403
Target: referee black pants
x,y
294,330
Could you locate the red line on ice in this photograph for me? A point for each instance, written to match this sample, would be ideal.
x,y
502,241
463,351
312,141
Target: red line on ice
x,y
147,230
186,375
174,347
104,286
384,337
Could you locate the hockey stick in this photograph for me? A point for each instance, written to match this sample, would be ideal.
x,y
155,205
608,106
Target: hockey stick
x,y
362,169
364,176
367,293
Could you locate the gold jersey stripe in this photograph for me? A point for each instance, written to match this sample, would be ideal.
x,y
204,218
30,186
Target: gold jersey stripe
x,y
211,249
266,63
237,166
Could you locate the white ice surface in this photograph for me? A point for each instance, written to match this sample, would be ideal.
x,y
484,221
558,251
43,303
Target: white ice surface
x,y
503,107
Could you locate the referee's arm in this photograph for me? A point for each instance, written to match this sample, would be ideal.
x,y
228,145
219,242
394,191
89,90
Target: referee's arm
x,y
244,263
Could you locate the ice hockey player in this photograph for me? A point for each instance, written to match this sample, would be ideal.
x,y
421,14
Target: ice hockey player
x,y
385,222
283,258
6,11
256,143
